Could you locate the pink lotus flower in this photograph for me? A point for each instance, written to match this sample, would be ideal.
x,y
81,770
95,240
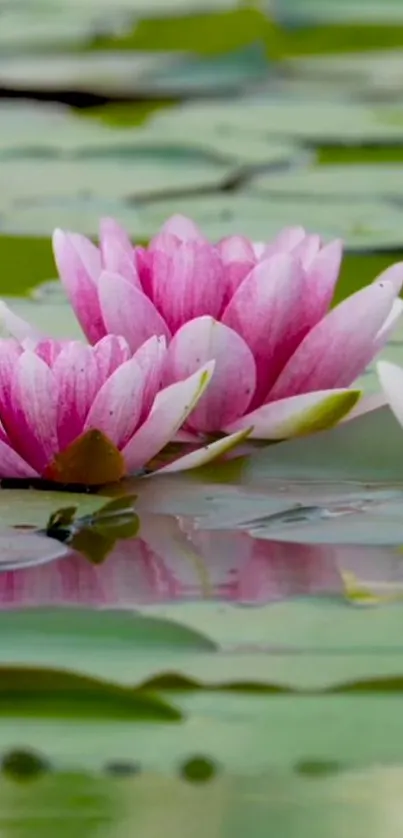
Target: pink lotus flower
x,y
283,363
76,413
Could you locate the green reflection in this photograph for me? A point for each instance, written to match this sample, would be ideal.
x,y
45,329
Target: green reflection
x,y
66,805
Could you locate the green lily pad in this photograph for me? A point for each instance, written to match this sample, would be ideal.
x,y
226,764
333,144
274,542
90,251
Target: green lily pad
x,y
232,147
349,452
105,73
307,120
27,507
336,182
204,27
116,647
34,182
53,318
374,74
279,646
238,733
226,74
51,130
80,213
53,694
363,224
344,11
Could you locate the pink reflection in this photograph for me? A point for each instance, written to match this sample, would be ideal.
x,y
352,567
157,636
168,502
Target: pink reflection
x,y
173,561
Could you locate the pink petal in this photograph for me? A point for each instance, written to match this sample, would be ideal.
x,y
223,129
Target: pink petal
x,y
238,259
117,251
307,249
166,242
77,380
4,436
117,407
12,465
79,265
16,326
48,349
259,249
393,274
297,415
340,346
151,358
206,453
389,326
143,262
391,379
29,416
322,275
112,230
128,312
110,353
183,228
187,283
236,249
188,437
266,311
170,410
10,351
233,384
286,240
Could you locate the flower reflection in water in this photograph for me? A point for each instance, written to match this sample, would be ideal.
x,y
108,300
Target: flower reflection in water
x,y
173,561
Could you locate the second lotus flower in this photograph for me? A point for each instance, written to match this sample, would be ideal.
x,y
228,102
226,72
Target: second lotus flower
x,y
283,362
90,414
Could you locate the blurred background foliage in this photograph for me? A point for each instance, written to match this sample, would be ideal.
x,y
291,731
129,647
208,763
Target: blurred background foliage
x,y
246,115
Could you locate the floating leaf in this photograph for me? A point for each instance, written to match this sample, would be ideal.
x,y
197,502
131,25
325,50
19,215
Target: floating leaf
x,y
51,693
362,224
355,182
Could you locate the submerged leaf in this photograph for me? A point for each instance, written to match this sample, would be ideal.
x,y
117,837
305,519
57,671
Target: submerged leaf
x,y
91,460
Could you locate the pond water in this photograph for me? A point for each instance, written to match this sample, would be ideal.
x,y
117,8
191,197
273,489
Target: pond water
x,y
244,620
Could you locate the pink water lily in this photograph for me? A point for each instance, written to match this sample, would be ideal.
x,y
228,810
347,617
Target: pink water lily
x,y
283,362
57,399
